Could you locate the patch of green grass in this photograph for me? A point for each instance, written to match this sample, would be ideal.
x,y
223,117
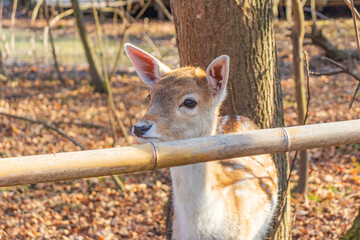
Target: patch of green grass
x,y
314,198
69,49
60,26
333,189
356,164
3,189
63,100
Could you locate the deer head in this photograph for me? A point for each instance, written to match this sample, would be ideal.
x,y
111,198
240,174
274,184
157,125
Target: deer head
x,y
183,102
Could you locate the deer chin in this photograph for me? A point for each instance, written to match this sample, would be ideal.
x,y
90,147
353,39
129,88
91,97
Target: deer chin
x,y
148,139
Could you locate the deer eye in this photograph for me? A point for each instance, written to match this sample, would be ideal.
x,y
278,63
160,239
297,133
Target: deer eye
x,y
148,98
189,103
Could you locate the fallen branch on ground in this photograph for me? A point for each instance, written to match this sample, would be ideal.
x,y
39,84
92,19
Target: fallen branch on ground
x,y
81,124
117,181
47,125
331,51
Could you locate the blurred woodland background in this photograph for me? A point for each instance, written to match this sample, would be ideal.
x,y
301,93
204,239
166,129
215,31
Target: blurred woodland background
x,y
66,85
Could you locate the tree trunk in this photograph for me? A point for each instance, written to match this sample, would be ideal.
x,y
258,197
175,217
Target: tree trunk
x,y
354,231
244,30
298,62
93,66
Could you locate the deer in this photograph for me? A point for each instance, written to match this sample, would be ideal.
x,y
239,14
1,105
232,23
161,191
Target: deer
x,y
225,199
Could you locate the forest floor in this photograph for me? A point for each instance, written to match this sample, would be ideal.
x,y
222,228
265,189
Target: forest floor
x,y
96,209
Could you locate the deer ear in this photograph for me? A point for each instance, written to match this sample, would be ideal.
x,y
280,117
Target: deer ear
x,y
217,75
149,69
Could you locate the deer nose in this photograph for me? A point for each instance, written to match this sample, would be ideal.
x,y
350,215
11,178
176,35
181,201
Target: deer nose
x,y
140,130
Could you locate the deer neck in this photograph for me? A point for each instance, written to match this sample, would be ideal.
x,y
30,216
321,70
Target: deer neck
x,y
190,183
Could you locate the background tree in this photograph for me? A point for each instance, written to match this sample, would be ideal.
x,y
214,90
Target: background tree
x,y
95,75
244,30
298,63
354,231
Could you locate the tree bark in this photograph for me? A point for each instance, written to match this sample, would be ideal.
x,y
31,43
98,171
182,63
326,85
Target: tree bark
x,y
96,78
244,30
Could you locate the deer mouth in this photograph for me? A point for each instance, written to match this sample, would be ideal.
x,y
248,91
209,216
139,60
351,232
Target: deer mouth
x,y
147,139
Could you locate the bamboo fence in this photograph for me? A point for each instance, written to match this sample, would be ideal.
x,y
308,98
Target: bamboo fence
x,y
94,163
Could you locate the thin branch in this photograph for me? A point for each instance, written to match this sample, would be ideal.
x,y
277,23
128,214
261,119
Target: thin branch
x,y
129,5
89,50
145,7
12,22
118,182
5,76
115,178
349,5
60,16
34,15
117,60
307,86
344,69
99,44
335,63
81,124
124,34
152,45
164,9
355,25
106,77
56,63
326,73
317,13
357,88
313,13
47,125
111,104
354,96
113,127
353,12
121,47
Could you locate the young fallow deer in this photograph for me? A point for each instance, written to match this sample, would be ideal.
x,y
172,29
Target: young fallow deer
x,y
225,200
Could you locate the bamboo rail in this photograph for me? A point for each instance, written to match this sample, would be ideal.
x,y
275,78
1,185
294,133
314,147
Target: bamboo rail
x,y
94,163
